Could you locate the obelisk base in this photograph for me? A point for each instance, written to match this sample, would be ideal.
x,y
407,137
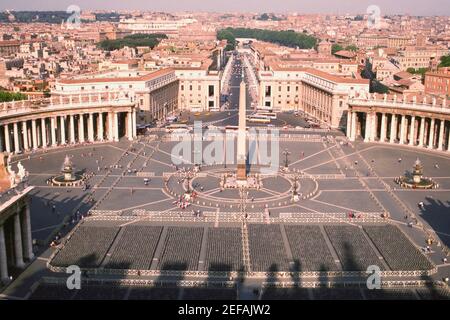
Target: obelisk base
x,y
241,171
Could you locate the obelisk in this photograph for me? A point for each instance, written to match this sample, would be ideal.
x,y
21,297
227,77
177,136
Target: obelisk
x,y
241,144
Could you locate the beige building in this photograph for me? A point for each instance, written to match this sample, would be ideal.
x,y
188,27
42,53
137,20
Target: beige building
x,y
199,89
155,93
419,57
317,93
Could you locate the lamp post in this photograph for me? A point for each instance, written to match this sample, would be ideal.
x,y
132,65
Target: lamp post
x,y
286,153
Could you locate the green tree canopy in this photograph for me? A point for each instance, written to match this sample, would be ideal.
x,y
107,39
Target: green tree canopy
x,y
133,41
445,61
7,96
336,47
285,38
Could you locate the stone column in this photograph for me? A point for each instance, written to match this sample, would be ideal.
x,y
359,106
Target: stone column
x,y
374,126
7,139
348,131
130,125
34,134
441,135
25,135
383,127
448,140
368,129
26,232
116,126
412,132
431,136
412,135
63,130
16,138
81,129
110,126
72,128
134,125
422,132
44,133
91,127
53,131
354,124
3,258
402,129
393,134
18,250
1,142
100,126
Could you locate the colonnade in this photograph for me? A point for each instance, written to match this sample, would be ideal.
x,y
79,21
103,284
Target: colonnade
x,y
428,131
50,130
16,245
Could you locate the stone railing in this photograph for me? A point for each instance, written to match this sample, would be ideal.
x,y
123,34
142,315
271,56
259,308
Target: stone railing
x,y
281,275
360,217
390,101
61,102
143,282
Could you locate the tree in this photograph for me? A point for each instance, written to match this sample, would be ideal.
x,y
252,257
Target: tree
x,y
445,61
336,47
133,41
7,96
351,47
227,35
284,38
420,71
264,16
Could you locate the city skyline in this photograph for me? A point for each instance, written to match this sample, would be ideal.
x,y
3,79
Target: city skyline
x,y
433,7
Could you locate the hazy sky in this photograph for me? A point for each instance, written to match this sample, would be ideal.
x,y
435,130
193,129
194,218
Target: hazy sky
x,y
413,7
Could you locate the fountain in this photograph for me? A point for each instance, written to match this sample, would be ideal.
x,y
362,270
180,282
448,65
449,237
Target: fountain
x,y
415,179
68,178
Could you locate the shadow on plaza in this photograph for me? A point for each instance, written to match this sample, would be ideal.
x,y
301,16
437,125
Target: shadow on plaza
x,y
436,214
43,214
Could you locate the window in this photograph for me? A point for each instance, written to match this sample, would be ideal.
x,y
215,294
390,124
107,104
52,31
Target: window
x,y
190,87
182,87
210,91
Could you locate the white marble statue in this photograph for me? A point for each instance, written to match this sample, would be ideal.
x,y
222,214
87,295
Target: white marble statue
x,y
12,176
22,173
